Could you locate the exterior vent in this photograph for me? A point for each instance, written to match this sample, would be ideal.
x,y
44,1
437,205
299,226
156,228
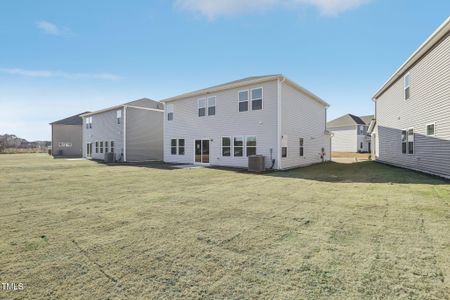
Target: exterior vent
x,y
256,163
109,157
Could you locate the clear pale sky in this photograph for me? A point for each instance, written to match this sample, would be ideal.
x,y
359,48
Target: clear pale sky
x,y
59,58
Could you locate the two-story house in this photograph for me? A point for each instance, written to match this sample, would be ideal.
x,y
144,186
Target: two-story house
x,y
349,133
132,131
264,115
412,110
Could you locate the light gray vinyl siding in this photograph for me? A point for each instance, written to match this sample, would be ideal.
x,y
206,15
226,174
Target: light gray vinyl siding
x,y
344,139
67,134
104,128
227,121
302,117
144,134
429,102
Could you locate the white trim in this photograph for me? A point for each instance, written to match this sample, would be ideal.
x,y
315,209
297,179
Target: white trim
x,y
125,133
256,146
407,75
231,146
423,49
198,107
407,141
248,100
116,107
262,98
243,145
247,83
144,108
279,114
434,128
207,105
201,151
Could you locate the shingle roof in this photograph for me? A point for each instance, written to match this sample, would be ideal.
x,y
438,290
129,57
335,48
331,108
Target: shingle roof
x,y
349,120
223,85
247,81
73,120
145,102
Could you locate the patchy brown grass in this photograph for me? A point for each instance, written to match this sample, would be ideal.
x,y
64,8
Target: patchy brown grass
x,y
83,230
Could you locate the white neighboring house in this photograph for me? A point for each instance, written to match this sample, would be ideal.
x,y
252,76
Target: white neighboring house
x,y
132,131
412,127
349,133
265,115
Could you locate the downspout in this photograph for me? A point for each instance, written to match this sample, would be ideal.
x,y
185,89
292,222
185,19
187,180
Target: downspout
x,y
279,83
125,134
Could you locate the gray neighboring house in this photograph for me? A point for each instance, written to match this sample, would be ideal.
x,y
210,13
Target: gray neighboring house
x,y
412,127
133,131
67,138
349,133
265,115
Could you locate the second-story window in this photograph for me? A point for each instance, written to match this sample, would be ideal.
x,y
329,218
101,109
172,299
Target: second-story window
x,y
169,109
243,101
211,106
201,107
407,86
257,99
89,122
119,116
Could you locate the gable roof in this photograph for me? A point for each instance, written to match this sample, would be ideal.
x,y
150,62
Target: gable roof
x,y
144,103
73,120
349,120
433,40
242,82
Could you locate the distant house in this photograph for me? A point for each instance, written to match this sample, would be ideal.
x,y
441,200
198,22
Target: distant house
x,y
269,115
412,128
132,131
349,133
67,137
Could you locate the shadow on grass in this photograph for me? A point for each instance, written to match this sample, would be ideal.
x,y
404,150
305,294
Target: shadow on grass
x,y
362,172
159,165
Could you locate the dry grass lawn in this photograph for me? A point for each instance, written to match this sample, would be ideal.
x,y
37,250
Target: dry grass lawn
x,y
84,230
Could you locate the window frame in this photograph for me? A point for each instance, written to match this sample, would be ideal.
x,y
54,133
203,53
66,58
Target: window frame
x,y
434,129
172,147
205,107
96,147
112,146
404,140
301,145
247,146
208,106
284,152
243,145
239,100
231,139
262,97
179,147
413,141
170,111
119,116
101,147
407,87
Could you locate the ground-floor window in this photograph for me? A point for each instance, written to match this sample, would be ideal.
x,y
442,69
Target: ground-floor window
x,y
226,146
283,151
301,146
112,146
403,138
96,147
251,145
238,145
181,147
411,141
101,147
173,146
106,147
89,149
361,145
